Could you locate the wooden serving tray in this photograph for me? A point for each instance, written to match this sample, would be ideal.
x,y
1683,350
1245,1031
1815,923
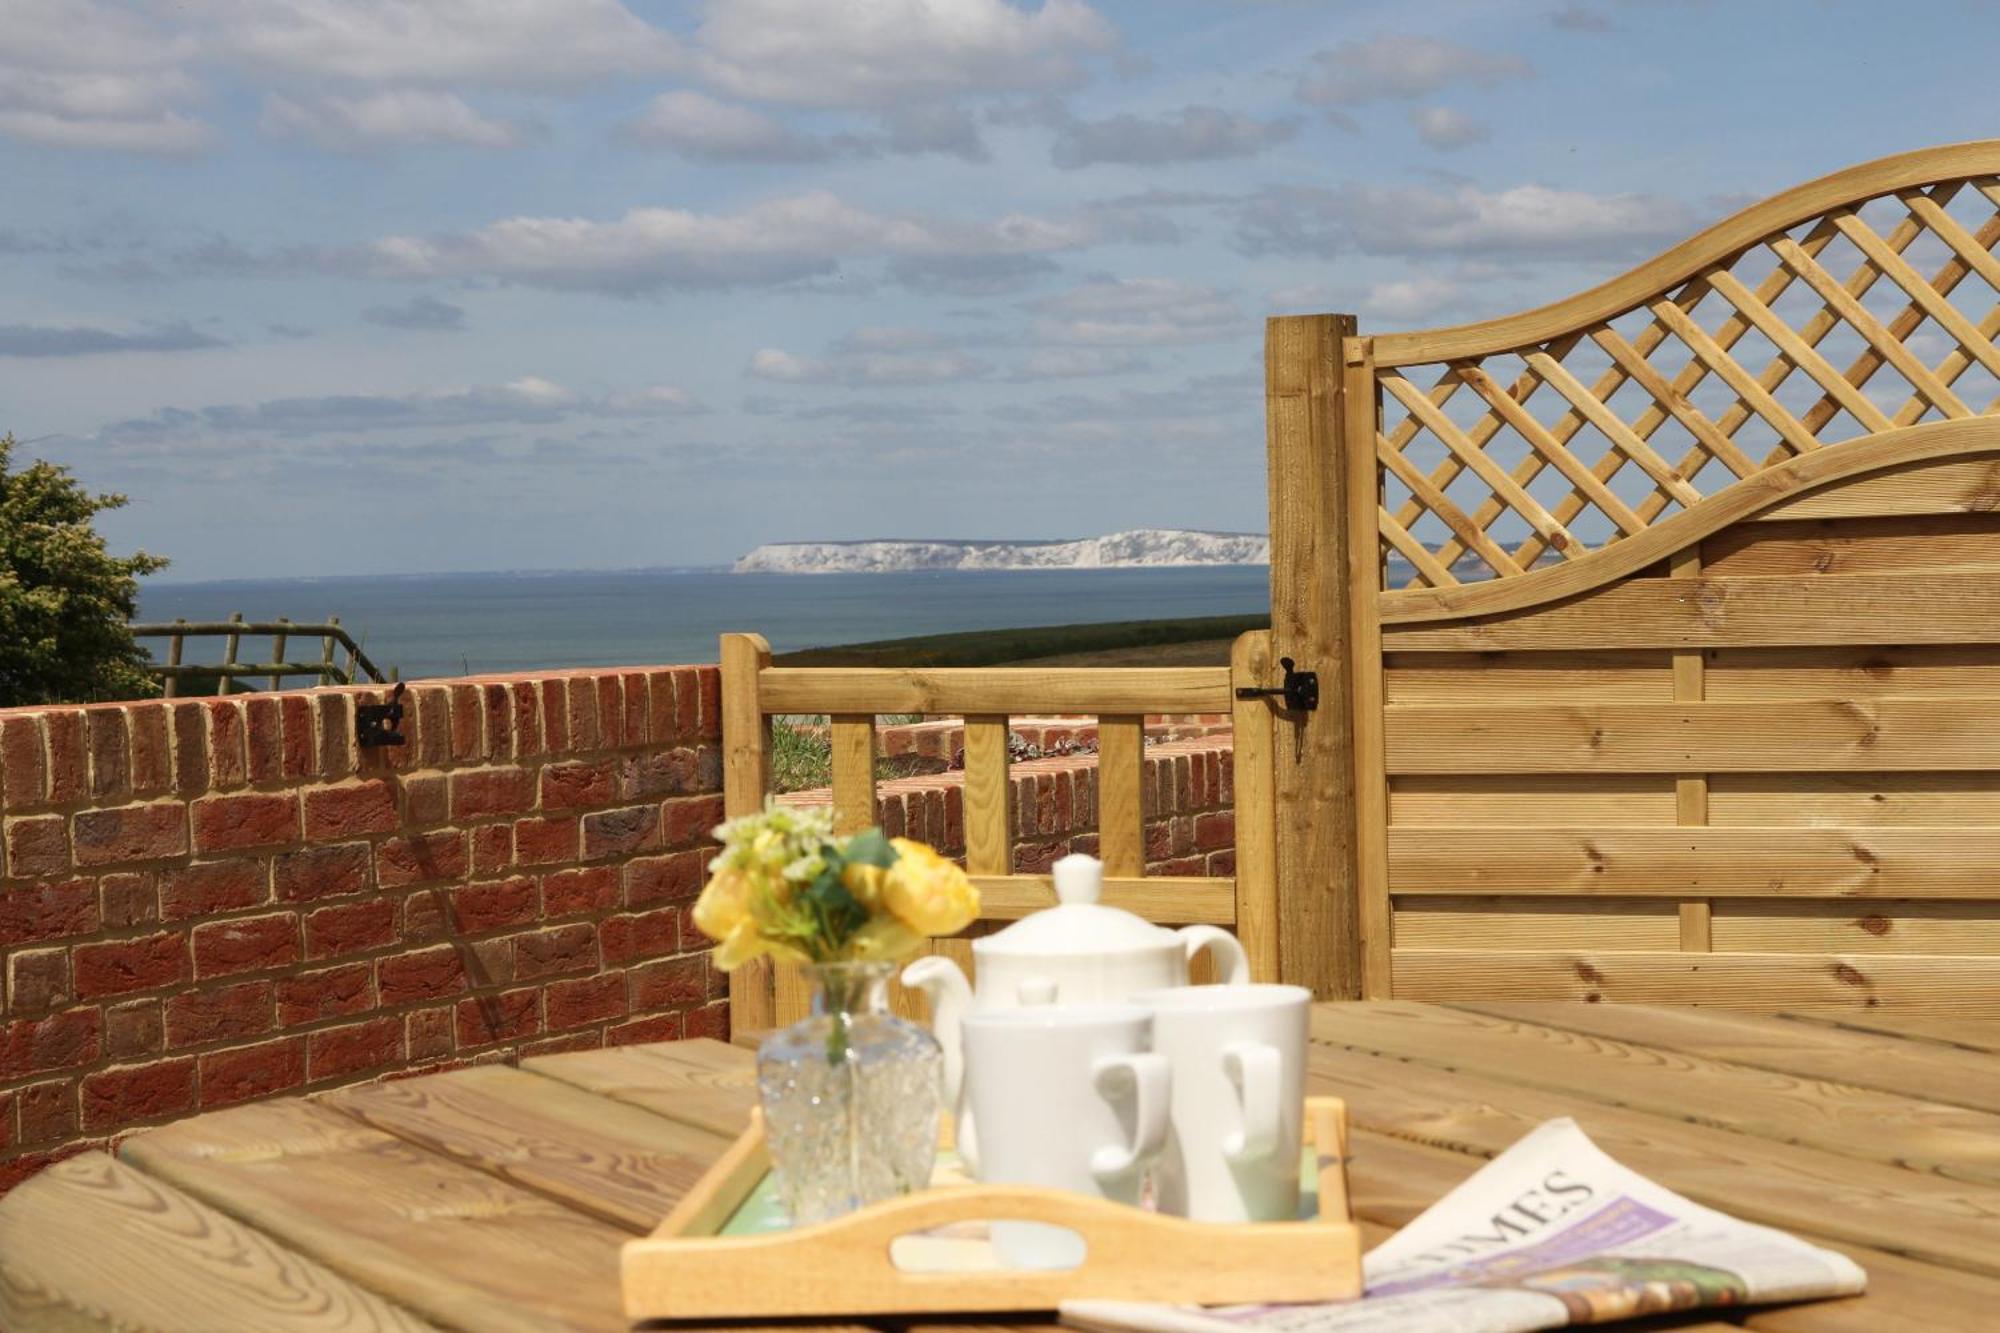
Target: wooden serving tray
x,y
688,1269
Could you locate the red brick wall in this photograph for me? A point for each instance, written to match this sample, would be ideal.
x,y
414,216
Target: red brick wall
x,y
208,901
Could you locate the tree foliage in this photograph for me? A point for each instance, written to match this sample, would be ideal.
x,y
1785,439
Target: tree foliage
x,y
65,600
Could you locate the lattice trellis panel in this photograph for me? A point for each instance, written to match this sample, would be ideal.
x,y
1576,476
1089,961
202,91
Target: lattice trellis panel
x,y
1874,315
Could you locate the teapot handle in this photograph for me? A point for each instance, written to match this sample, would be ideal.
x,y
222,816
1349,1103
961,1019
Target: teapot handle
x,y
1231,962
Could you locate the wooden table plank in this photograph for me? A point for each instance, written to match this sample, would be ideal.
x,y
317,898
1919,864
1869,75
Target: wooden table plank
x,y
615,1162
454,1244
92,1243
1856,1122
704,1083
1919,1069
1972,1034
1942,1221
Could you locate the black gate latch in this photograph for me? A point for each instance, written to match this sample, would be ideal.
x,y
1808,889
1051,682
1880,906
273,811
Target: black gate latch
x,y
375,724
1300,690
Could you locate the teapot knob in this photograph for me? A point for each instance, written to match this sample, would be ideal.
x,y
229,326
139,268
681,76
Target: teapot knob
x,y
1079,878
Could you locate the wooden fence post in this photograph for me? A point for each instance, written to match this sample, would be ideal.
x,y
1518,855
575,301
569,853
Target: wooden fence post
x,y
746,778
1312,753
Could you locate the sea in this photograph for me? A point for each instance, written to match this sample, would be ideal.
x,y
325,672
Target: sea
x,y
464,624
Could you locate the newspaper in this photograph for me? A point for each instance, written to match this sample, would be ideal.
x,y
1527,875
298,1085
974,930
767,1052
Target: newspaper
x,y
1551,1233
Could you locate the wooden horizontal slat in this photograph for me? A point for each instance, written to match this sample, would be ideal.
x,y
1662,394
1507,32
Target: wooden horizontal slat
x,y
1854,546
1602,676
1754,925
997,690
1950,670
1168,899
1698,862
1799,735
1487,922
1967,986
1965,486
1824,800
1511,800
1720,612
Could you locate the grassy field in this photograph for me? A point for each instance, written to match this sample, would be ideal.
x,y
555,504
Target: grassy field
x,y
1200,640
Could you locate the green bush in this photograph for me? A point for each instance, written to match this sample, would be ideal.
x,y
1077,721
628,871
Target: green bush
x,y
65,600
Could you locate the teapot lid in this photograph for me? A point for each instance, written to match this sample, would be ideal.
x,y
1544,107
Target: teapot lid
x,y
1079,923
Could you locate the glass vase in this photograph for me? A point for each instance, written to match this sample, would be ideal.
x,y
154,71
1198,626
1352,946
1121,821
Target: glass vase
x,y
851,1096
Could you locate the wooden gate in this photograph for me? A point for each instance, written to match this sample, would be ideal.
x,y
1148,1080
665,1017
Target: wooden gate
x,y
1660,627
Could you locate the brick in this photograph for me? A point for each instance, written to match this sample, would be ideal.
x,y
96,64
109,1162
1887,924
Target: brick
x,y
423,916
120,967
228,754
572,1004
568,892
577,785
467,717
427,1033
250,1072
264,738
527,719
632,688
555,715
37,845
687,822
575,1041
152,832
301,745
42,1045
128,899
580,696
16,1169
673,984
357,1048
48,909
110,752
660,727
119,1096
424,858
710,1021
430,974
249,819
351,810
48,1111
492,848
546,840
621,832
499,720
492,961
666,1027
687,702
330,992
190,748
38,981
332,932
655,774
610,711
225,948
1215,830
428,713
546,953
508,1016
69,756
207,888
333,716
321,872
481,793
218,1013
24,769
478,908
133,1028
653,880
427,799
627,939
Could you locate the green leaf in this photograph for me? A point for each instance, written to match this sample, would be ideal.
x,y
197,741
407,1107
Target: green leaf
x,y
870,848
834,908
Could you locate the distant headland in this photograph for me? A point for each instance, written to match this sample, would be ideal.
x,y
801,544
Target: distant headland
x,y
1139,548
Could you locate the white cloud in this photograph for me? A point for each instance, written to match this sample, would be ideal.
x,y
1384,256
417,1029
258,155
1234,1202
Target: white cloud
x,y
1075,363
1442,127
1398,67
855,368
1412,298
1523,220
378,120
883,53
1136,311
1193,134
775,241
700,127
120,90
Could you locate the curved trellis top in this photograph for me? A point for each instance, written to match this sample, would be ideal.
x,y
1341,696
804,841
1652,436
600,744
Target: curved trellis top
x,y
1859,303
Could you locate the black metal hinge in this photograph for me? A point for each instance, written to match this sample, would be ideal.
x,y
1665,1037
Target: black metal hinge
x,y
1300,690
375,724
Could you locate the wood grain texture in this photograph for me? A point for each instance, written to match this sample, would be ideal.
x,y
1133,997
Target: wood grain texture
x,y
852,736
453,1244
1879,671
963,690
1121,816
1534,800
1493,922
989,797
93,1244
746,779
1352,806
703,1083
1856,546
1766,736
1259,924
622,1165
1861,983
1607,676
1965,486
1759,925
1166,899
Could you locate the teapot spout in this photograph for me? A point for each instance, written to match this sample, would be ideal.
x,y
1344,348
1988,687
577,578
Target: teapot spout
x,y
950,995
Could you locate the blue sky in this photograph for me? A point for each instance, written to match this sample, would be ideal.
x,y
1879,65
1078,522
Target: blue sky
x,y
356,286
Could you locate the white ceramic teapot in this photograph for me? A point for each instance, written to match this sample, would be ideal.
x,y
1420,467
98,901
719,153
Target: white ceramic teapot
x,y
1078,952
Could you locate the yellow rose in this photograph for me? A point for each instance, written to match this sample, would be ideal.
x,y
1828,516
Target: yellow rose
x,y
724,905
928,893
865,883
885,937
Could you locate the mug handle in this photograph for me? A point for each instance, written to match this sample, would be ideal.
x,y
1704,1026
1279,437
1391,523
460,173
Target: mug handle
x,y
1259,1070
1150,1086
1230,960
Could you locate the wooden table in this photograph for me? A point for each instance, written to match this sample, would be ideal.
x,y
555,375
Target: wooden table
x,y
497,1198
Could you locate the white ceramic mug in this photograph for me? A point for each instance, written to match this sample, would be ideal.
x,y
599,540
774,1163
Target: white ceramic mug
x,y
1238,1055
1066,1097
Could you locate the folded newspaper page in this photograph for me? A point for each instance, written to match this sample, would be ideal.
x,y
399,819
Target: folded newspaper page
x,y
1550,1233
